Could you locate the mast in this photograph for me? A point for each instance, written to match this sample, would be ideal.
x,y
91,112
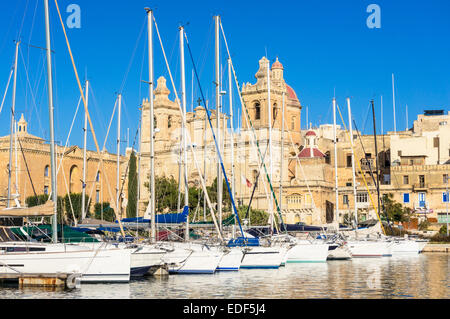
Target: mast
x,y
230,95
118,157
353,165
269,103
15,159
204,162
13,110
282,151
83,194
335,165
183,101
152,124
393,102
376,157
50,111
219,173
138,193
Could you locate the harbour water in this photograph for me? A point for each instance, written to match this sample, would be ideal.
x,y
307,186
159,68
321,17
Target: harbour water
x,y
421,276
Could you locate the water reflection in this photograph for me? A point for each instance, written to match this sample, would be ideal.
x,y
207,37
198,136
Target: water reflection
x,y
422,276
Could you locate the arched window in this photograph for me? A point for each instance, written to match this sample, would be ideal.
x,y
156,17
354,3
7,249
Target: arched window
x,y
46,171
169,121
97,177
274,112
74,178
257,111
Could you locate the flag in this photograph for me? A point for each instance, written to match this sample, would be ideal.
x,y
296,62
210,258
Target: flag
x,y
246,181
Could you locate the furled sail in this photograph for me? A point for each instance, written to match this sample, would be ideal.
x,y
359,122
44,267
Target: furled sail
x,y
41,210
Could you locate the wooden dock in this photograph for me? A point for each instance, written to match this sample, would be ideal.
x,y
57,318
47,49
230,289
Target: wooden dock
x,y
62,280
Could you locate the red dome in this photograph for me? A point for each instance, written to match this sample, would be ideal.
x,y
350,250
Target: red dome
x,y
291,93
311,133
306,152
277,65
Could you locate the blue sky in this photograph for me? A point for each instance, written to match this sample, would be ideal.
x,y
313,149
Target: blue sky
x,y
325,47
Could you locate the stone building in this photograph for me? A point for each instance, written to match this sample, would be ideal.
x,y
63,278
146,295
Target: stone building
x,y
32,173
247,162
308,175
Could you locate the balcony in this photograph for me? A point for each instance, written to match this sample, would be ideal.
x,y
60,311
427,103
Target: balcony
x,y
420,187
422,205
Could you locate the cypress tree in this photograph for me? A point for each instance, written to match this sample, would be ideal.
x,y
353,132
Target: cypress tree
x,y
132,187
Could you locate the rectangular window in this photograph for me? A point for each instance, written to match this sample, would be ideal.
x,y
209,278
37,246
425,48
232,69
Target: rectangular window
x,y
445,197
46,190
422,180
349,160
445,178
362,197
405,180
97,196
405,198
345,199
436,142
422,200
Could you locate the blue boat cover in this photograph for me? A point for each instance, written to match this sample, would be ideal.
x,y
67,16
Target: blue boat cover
x,y
175,218
243,241
111,229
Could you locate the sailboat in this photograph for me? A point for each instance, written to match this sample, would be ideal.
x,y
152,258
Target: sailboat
x,y
181,257
93,265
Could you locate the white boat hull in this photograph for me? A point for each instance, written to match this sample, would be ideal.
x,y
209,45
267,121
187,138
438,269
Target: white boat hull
x,y
403,247
145,258
341,252
231,260
307,252
361,249
263,257
187,258
94,265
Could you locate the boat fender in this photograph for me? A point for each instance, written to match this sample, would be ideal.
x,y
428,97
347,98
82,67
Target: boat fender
x,y
73,281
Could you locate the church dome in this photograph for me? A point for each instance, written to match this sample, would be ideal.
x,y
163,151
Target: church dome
x,y
291,93
277,65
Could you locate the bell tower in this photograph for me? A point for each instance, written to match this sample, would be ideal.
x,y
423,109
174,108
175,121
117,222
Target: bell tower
x,y
255,97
